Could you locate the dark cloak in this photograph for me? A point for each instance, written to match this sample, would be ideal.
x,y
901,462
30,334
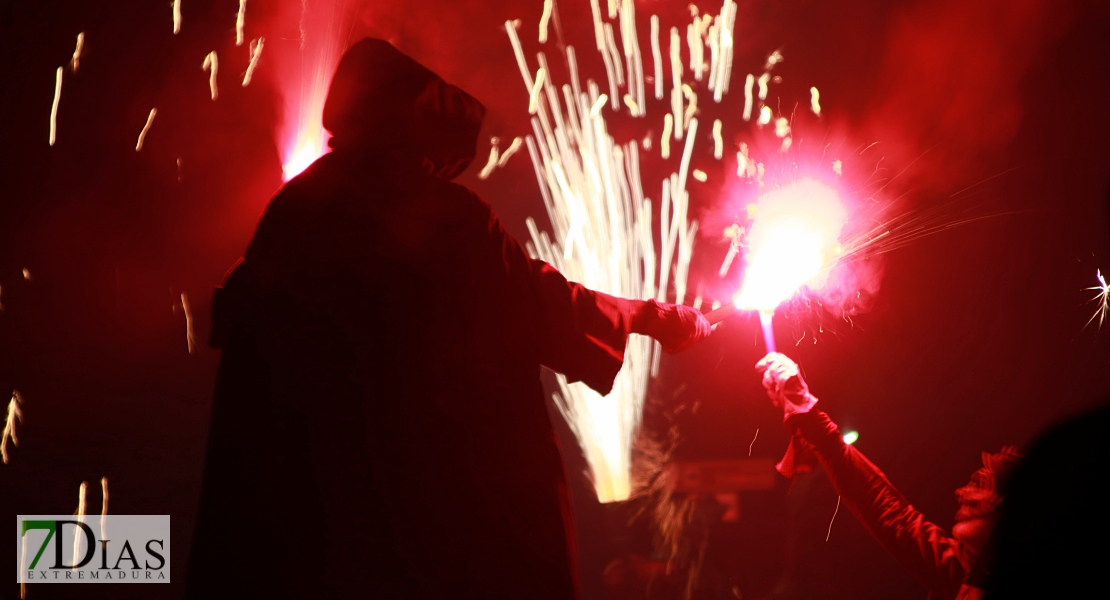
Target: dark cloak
x,y
378,425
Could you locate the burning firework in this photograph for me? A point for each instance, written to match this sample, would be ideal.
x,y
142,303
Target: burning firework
x,y
14,415
1103,299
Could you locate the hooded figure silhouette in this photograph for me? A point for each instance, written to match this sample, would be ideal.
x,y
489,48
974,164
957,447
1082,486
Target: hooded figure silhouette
x,y
378,425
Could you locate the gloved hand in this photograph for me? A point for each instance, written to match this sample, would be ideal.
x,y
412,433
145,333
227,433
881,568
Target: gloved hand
x,y
785,385
674,326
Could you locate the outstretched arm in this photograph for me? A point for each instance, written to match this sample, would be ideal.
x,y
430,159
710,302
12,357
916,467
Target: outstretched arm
x,y
936,559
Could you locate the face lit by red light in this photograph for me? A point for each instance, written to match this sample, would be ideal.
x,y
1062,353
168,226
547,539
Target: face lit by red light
x,y
979,498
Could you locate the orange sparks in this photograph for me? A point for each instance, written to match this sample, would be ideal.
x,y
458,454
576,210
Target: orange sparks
x,y
142,134
54,106
76,60
15,414
545,18
176,17
256,51
240,20
212,65
188,322
815,101
1103,298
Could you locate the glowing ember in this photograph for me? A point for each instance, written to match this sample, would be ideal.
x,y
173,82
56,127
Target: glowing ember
x,y
77,531
75,62
189,339
212,65
14,415
146,128
176,16
240,20
54,106
256,51
815,101
792,240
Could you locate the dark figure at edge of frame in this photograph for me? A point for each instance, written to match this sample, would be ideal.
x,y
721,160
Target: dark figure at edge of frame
x,y
378,425
1053,536
945,564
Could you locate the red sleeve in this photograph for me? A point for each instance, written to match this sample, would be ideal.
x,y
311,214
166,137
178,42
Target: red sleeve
x,y
580,333
937,560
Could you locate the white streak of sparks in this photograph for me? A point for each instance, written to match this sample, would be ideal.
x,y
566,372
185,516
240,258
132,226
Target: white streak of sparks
x,y
691,105
595,110
76,60
718,143
54,106
240,20
534,95
614,55
815,101
491,164
176,17
665,142
188,322
676,80
545,18
256,51
630,102
511,150
142,134
212,65
749,83
103,508
657,57
15,414
77,531
833,519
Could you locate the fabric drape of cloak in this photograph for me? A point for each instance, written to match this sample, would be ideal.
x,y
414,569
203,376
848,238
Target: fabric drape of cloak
x,y
378,426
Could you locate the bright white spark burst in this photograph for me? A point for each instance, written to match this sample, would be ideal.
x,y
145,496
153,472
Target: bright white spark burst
x,y
1103,299
212,65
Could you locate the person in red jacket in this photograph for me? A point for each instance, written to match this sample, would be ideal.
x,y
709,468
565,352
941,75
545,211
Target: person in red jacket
x,y
378,424
944,563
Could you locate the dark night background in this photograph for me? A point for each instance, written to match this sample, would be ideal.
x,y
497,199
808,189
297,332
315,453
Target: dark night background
x,y
976,338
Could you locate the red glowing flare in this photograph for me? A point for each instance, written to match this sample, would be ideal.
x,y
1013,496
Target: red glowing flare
x,y
791,242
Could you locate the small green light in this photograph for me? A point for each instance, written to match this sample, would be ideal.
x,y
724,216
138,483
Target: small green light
x,y
851,437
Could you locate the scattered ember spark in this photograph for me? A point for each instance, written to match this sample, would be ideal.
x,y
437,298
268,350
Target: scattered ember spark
x,y
142,134
595,110
212,65
665,142
14,415
75,62
792,240
838,168
54,106
103,508
534,96
734,234
765,115
1103,298
815,101
700,175
752,445
256,51
176,16
833,519
77,531
772,60
749,84
782,127
676,78
718,143
763,90
188,321
240,19
492,162
545,18
657,57
691,107
511,150
26,275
